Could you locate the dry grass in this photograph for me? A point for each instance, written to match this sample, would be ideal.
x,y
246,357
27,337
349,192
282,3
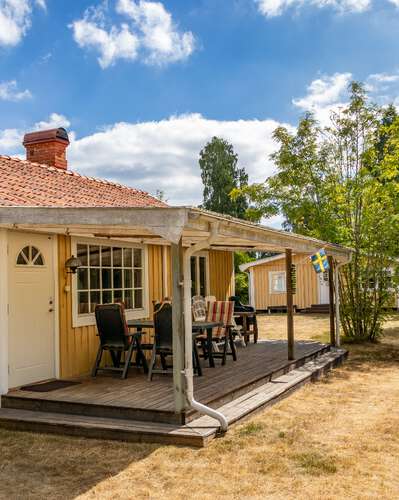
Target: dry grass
x,y
338,438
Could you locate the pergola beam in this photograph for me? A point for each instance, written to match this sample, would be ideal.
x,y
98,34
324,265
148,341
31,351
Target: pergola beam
x,y
169,223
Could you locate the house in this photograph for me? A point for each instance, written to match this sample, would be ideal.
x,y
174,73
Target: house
x,y
267,284
135,248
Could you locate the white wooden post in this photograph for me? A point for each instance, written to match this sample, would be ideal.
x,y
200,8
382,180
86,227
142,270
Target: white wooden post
x,y
3,311
178,327
337,303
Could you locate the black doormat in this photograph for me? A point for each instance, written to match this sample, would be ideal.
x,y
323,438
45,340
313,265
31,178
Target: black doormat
x,y
53,385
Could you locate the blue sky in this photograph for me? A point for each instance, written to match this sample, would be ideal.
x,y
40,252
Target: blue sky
x,y
142,85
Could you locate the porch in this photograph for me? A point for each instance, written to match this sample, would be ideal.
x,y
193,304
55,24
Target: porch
x,y
141,410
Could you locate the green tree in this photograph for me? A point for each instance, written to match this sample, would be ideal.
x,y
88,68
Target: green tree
x,y
340,183
220,175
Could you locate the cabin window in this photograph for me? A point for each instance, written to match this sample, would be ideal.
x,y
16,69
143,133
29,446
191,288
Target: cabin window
x,y
30,256
199,275
277,282
109,273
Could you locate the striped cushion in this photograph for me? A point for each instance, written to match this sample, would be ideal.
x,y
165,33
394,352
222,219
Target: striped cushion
x,y
221,311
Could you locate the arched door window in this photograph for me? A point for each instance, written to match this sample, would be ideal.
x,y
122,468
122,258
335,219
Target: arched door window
x,y
30,256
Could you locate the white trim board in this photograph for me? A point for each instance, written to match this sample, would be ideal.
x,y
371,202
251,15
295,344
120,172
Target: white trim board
x,y
266,260
3,311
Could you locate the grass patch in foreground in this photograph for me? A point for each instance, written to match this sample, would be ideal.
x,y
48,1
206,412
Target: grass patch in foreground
x,y
316,464
251,428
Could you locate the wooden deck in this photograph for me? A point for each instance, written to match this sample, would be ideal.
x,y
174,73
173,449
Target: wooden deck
x,y
110,397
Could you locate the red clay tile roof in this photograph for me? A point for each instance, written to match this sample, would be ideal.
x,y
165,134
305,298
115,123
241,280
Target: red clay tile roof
x,y
32,184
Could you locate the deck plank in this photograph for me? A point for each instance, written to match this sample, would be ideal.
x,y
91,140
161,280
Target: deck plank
x,y
255,362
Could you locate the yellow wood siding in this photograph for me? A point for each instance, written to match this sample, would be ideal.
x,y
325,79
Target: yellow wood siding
x,y
221,274
78,346
306,290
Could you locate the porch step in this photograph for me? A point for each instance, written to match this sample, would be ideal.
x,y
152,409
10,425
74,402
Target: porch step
x,y
275,390
102,428
197,433
251,385
17,402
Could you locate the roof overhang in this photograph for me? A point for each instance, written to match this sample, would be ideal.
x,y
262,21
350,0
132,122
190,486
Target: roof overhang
x,y
163,225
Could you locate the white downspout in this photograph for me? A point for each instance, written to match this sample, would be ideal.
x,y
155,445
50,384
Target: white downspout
x,y
337,301
188,371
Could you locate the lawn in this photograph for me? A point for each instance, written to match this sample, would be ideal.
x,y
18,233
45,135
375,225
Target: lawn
x,y
337,438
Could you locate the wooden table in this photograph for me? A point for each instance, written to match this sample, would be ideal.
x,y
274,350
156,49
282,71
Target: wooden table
x,y
198,328
246,332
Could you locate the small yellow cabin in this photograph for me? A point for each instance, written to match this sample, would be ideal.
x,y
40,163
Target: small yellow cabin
x,y
267,283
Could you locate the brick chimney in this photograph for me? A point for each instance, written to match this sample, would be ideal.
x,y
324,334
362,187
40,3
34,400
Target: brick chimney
x,y
48,147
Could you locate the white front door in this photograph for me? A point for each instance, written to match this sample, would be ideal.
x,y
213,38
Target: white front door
x,y
324,292
31,308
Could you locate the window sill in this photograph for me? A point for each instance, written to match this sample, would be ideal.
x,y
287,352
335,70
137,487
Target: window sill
x,y
90,320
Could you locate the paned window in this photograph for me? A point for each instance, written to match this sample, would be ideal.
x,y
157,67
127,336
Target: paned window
x,y
109,274
277,282
30,256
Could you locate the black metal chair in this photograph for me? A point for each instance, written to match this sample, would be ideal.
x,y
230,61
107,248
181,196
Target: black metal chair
x,y
250,321
163,340
239,306
115,338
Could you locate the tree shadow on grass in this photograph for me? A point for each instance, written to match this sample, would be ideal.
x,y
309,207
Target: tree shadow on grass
x,y
38,466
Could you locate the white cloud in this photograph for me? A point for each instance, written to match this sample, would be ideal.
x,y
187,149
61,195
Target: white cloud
x,y
384,77
160,35
15,19
112,42
164,154
10,140
272,8
117,43
55,120
9,92
148,33
324,95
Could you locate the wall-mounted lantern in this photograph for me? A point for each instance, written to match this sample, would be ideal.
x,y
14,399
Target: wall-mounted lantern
x,y
72,264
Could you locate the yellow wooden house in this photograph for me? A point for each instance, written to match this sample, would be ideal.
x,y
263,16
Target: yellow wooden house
x,y
133,248
267,284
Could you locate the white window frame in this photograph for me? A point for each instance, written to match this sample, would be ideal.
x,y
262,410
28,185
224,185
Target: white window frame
x,y
89,319
197,271
271,279
30,264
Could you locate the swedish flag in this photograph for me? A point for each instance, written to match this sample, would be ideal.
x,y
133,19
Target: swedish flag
x,y
320,261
